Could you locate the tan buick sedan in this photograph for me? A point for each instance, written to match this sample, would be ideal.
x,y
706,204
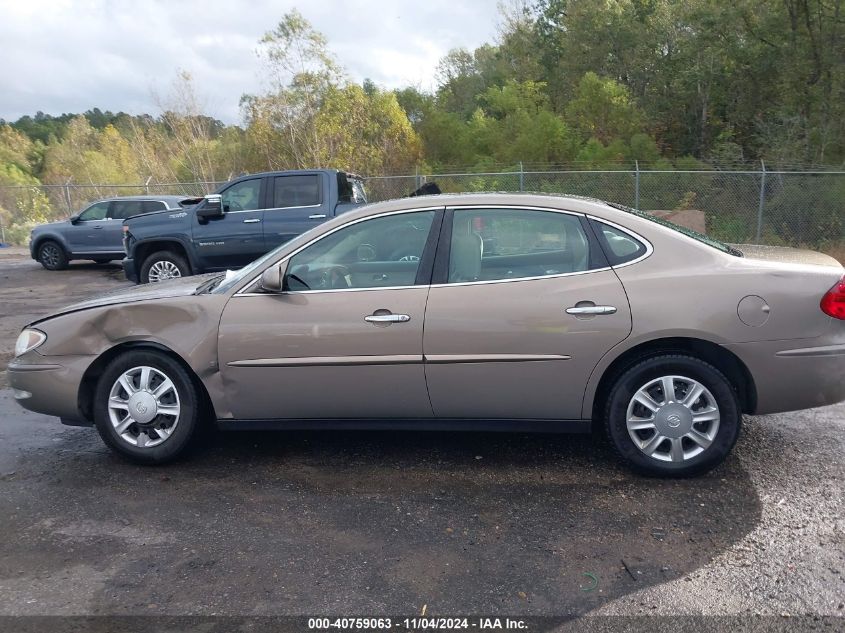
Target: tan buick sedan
x,y
488,311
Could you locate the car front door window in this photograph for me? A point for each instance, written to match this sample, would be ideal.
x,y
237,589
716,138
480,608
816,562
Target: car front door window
x,y
242,196
375,253
98,211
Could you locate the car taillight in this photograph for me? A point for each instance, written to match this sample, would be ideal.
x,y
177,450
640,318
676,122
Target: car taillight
x,y
833,303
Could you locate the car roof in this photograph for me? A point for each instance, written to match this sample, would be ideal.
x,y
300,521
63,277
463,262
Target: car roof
x,y
163,198
579,204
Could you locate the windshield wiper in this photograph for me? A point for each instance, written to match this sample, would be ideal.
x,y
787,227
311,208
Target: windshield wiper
x,y
209,285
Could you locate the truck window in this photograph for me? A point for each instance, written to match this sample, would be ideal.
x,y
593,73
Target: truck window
x,y
296,191
242,196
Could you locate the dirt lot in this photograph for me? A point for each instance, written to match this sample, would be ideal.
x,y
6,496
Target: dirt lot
x,y
389,523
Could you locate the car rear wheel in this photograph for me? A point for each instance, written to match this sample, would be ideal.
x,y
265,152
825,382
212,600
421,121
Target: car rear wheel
x,y
164,265
673,416
52,256
146,407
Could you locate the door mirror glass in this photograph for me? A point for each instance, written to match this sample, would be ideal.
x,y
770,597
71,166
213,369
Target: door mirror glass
x,y
213,206
273,279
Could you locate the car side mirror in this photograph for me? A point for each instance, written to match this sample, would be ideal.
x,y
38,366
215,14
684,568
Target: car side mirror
x,y
74,219
212,208
273,279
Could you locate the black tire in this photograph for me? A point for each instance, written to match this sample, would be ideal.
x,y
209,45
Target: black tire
x,y
103,261
52,256
164,256
186,425
640,375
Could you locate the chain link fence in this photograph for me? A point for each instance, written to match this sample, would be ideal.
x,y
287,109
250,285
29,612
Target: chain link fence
x,y
787,208
795,208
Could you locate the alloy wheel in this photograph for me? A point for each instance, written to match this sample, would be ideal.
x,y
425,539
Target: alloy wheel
x,y
50,255
163,270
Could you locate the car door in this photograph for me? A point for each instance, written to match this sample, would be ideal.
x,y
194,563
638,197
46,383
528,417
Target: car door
x,y
84,235
295,205
234,238
524,309
344,339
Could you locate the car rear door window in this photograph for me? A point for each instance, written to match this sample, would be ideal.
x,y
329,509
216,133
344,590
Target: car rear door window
x,y
296,191
148,206
122,209
499,244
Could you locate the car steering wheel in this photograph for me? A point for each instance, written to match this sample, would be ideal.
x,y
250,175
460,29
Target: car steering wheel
x,y
336,276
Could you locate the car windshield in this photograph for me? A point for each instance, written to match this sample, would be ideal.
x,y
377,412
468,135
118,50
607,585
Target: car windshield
x,y
680,229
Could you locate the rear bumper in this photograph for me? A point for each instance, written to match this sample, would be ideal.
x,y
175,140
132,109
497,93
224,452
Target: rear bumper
x,y
789,376
129,270
49,385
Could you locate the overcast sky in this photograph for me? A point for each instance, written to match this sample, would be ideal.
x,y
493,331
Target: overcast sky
x,y
74,55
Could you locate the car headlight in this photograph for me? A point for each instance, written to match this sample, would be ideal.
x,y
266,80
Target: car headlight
x,y
29,340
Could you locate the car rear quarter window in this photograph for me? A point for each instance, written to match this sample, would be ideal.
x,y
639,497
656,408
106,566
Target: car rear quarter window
x,y
499,244
621,247
296,191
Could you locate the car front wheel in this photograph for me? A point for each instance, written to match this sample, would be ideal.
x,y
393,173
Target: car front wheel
x,y
164,265
52,256
146,407
673,416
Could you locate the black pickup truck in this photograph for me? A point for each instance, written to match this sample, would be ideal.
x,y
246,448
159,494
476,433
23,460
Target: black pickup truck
x,y
246,218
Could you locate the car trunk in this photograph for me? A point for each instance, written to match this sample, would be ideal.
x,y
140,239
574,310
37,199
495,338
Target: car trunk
x,y
786,255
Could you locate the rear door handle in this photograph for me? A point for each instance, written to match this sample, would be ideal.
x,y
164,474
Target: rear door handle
x,y
317,216
99,226
581,310
252,221
387,318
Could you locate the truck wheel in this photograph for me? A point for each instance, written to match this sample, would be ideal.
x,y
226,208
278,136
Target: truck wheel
x,y
52,256
164,265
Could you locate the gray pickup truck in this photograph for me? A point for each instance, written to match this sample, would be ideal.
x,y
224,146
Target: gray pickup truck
x,y
246,218
95,232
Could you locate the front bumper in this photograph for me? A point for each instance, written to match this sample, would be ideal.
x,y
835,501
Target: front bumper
x,y
129,270
49,385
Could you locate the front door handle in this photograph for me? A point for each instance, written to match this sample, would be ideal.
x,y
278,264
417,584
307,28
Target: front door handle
x,y
387,318
252,221
99,226
317,216
589,310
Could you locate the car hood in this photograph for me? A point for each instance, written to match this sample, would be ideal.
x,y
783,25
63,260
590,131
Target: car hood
x,y
146,292
786,255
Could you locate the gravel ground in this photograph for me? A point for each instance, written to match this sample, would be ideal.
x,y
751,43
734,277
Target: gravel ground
x,y
394,523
